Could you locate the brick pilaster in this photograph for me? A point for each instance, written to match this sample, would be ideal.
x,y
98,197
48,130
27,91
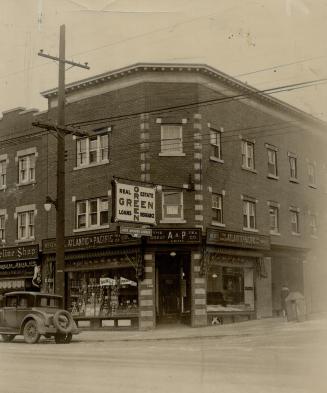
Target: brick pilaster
x,y
147,315
199,303
145,147
197,174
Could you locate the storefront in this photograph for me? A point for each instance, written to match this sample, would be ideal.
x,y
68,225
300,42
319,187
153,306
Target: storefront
x,y
101,278
233,263
18,266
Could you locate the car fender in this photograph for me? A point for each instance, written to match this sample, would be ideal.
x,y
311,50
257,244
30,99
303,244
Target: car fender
x,y
38,319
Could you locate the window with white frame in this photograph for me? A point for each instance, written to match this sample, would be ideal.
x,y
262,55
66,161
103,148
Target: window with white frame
x,y
25,225
172,205
273,218
313,224
93,150
293,166
217,208
248,155
3,173
171,139
249,214
26,168
215,144
272,162
312,174
92,213
2,226
295,221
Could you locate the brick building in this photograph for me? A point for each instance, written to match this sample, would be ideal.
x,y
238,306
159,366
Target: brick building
x,y
239,185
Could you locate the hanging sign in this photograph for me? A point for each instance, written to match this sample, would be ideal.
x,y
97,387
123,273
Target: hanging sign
x,y
133,203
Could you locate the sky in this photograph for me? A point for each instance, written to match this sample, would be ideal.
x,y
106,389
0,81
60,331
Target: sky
x,y
265,43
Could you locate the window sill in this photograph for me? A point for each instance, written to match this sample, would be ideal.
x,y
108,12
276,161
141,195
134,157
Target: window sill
x,y
249,169
293,180
218,224
216,159
90,228
271,176
273,233
3,188
31,239
76,168
172,221
296,233
314,236
172,154
313,186
28,183
250,229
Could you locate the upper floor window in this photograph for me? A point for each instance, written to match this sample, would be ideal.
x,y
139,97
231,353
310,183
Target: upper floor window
x,y
273,219
172,206
3,173
26,168
295,221
248,155
313,225
93,150
272,162
171,140
2,226
215,144
25,224
217,208
312,174
293,166
92,213
249,214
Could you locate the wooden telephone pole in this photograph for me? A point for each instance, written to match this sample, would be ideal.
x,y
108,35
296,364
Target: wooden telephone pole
x,y
61,131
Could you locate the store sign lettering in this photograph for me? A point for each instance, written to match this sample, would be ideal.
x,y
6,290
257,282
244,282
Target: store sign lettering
x,y
17,265
22,252
175,236
238,239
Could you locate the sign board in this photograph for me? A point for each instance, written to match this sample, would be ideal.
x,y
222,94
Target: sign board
x,y
19,253
238,239
107,282
175,236
136,232
134,203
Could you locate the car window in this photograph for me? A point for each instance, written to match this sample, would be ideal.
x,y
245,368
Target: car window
x,y
23,302
46,301
11,301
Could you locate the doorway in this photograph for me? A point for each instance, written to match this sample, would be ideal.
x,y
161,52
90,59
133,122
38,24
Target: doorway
x,y
172,287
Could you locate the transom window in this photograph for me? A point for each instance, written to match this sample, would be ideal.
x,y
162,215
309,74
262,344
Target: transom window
x,y
274,219
26,168
249,214
215,144
295,224
92,213
248,155
25,222
3,173
171,139
217,208
272,162
2,226
172,205
293,167
93,150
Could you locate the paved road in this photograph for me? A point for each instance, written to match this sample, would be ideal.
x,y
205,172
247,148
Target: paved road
x,y
289,359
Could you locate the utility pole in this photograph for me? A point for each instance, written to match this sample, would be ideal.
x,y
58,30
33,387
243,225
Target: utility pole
x,y
61,131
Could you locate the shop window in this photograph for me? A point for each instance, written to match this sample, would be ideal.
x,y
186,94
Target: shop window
x,y
105,293
171,140
172,206
274,219
272,162
93,150
26,169
92,213
215,145
293,166
25,223
249,215
247,155
230,288
217,208
2,227
3,173
313,225
295,224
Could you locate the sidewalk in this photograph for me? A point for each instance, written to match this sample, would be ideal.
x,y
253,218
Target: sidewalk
x,y
179,332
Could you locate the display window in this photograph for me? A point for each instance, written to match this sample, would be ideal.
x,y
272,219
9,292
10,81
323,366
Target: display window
x,y
230,288
105,293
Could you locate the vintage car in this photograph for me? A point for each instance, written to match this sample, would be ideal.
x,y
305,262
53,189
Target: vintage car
x,y
33,314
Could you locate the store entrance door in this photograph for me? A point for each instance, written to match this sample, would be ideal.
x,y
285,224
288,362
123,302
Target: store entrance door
x,y
171,288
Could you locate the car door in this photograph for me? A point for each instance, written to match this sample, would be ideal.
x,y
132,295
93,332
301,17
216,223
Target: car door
x,y
9,311
23,307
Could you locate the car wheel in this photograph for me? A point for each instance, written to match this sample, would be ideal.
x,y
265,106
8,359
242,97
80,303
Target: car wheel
x,y
31,333
61,338
7,338
68,338
63,321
